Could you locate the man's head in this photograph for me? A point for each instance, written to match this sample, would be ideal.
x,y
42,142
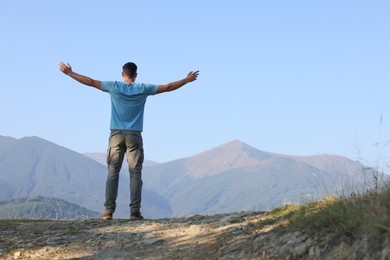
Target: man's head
x,y
130,70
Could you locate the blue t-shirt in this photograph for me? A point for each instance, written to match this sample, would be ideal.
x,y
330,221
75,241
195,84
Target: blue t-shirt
x,y
128,103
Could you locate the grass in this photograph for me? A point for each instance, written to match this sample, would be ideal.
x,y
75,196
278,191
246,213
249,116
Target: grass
x,y
361,221
332,213
365,215
8,222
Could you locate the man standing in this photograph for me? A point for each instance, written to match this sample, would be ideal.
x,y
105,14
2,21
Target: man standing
x,y
127,111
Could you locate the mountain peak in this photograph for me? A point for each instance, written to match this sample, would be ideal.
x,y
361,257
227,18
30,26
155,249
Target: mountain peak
x,y
234,144
232,155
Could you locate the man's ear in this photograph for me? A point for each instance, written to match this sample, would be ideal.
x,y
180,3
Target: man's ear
x,y
123,74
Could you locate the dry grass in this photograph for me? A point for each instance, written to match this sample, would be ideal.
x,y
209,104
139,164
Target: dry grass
x,y
364,216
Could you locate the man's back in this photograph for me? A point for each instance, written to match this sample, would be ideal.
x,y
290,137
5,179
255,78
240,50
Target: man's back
x,y
128,103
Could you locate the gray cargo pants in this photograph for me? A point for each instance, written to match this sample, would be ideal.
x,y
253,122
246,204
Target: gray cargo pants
x,y
123,142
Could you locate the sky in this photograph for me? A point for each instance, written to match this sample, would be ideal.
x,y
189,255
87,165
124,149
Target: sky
x,y
291,77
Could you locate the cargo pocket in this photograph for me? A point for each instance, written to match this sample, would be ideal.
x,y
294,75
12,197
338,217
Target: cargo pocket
x,y
108,160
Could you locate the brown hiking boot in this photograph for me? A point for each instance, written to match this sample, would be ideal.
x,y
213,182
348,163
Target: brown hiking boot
x,y
136,216
106,216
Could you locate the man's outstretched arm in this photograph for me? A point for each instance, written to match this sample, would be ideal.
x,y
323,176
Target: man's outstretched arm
x,y
177,84
67,70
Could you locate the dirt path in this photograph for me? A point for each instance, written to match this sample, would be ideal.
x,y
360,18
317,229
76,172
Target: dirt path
x,y
227,236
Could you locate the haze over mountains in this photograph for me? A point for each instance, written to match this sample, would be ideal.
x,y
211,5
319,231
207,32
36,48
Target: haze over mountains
x,y
32,166
228,178
237,177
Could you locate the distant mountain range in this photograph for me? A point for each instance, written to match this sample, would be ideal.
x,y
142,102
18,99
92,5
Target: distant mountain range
x,y
228,178
32,166
238,177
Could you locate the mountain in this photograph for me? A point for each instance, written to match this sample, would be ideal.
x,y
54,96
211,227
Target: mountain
x,y
236,177
102,158
229,178
43,208
233,155
32,166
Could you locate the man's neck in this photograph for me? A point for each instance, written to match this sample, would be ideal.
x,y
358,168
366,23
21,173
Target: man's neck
x,y
128,79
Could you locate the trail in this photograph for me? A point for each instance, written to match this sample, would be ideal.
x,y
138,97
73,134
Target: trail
x,y
245,235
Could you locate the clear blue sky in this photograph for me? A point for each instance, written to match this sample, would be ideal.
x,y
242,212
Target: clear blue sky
x,y
293,77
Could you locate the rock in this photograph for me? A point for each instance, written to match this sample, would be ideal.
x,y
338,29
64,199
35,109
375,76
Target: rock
x,y
152,241
237,244
223,236
314,252
17,254
231,219
300,250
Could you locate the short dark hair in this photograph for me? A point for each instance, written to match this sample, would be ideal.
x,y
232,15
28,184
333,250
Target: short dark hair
x,y
130,69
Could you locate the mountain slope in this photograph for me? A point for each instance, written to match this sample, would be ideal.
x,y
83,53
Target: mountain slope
x,y
43,168
32,166
232,155
235,177
228,178
43,208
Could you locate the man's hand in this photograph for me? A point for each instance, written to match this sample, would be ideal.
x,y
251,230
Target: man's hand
x,y
178,84
65,68
192,76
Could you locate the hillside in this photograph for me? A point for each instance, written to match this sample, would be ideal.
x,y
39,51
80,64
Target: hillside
x,y
238,177
329,229
32,166
231,177
43,208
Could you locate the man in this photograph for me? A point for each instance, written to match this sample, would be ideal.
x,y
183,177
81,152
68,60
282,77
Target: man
x,y
127,110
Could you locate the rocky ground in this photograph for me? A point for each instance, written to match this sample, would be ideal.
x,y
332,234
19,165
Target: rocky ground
x,y
246,235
